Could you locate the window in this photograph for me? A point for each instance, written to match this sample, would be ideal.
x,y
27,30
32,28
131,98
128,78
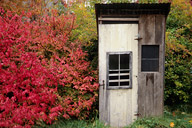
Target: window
x,y
119,70
150,58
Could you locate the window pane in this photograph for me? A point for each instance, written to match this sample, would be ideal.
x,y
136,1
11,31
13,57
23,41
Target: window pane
x,y
113,83
113,77
124,71
124,77
124,61
150,51
150,65
113,72
113,61
124,83
150,58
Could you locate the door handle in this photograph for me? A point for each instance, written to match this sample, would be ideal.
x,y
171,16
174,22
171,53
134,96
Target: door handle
x,y
103,84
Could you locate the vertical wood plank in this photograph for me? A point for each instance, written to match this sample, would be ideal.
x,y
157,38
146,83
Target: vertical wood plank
x,y
141,95
149,99
158,94
102,75
101,103
147,29
159,29
141,76
159,77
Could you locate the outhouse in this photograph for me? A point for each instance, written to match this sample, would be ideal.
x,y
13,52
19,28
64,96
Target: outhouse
x,y
131,40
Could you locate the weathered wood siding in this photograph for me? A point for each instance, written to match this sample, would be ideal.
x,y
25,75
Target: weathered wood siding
x,y
151,84
118,107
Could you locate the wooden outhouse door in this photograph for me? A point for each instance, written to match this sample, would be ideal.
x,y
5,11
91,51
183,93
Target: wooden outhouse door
x,y
118,71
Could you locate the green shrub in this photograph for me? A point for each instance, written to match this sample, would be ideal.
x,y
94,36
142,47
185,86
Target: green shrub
x,y
178,71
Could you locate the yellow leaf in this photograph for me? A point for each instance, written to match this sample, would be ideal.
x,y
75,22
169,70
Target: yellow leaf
x,y
190,121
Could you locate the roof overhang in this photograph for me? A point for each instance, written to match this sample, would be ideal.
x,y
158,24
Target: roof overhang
x,y
124,9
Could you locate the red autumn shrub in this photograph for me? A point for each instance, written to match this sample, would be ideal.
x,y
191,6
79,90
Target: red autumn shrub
x,y
43,75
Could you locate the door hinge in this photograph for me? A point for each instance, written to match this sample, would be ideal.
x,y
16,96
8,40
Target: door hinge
x,y
138,37
137,114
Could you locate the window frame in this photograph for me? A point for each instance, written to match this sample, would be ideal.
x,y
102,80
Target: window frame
x,y
130,70
145,71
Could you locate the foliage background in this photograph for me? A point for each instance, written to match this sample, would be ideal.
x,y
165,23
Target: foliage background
x,y
178,65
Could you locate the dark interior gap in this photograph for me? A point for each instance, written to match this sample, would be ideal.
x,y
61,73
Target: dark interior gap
x,y
120,16
119,22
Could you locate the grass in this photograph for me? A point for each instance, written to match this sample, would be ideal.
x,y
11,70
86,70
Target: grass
x,y
180,118
73,124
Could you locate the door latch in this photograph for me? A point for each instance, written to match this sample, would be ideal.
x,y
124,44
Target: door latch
x,y
103,84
